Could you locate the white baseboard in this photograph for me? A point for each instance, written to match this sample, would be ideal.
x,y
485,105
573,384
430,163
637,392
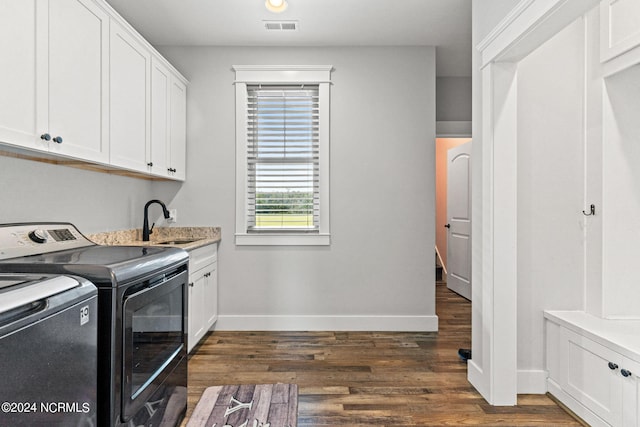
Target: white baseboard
x,y
328,323
532,382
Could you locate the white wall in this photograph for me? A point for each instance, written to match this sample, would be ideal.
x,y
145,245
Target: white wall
x,y
94,202
621,195
380,262
550,192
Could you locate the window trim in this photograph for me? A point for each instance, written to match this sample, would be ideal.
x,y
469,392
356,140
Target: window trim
x,y
281,74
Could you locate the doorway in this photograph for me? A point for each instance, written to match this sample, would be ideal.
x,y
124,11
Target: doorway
x,y
443,145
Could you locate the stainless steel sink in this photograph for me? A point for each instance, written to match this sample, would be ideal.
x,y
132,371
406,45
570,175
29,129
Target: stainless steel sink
x,y
177,242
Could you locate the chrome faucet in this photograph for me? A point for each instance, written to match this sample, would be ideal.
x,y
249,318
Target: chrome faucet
x,y
146,231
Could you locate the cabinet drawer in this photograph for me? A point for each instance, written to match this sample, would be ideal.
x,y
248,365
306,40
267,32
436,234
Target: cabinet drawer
x,y
203,256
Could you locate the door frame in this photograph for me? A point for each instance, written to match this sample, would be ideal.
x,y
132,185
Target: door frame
x,y
493,368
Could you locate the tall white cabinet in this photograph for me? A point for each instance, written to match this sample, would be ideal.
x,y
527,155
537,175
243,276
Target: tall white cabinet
x,y
79,83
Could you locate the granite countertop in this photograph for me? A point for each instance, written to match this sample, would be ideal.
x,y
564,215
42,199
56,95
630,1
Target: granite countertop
x,y
180,237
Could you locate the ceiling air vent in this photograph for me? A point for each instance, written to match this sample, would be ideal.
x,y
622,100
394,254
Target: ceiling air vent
x,y
281,25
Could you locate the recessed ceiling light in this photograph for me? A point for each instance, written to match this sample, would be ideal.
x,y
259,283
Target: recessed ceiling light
x,y
276,6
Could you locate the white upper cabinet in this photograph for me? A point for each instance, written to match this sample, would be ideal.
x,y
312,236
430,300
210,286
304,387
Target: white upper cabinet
x,y
53,98
19,47
130,85
178,146
619,27
160,129
77,82
168,123
78,79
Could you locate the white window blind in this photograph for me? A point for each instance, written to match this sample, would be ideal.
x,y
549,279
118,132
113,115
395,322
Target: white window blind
x,y
283,158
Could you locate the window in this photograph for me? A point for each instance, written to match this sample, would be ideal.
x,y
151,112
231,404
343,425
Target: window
x,y
282,158
282,162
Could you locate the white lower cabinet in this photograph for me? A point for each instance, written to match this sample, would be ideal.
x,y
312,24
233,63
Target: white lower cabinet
x,y
203,292
596,382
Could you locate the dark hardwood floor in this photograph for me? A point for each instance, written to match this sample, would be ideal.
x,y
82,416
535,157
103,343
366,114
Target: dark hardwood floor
x,y
368,378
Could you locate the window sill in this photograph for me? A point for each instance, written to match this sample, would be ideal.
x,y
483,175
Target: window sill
x,y
283,239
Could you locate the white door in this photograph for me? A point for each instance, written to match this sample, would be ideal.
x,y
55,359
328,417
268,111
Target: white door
x,y
459,219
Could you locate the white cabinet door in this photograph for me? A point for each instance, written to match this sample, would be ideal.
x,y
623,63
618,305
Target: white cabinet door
x,y
178,122
211,295
130,115
619,27
168,123
203,285
78,79
588,377
23,49
196,309
160,129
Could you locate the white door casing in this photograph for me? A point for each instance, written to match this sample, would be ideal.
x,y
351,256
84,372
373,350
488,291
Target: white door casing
x,y
459,219
526,27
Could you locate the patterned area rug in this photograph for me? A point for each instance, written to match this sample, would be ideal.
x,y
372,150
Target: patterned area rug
x,y
262,405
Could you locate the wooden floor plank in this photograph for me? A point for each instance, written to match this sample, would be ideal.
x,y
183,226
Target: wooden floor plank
x,y
368,378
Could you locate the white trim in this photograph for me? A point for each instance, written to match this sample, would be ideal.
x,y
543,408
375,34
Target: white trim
x,y
525,28
283,82
283,74
503,135
327,323
528,25
325,68
504,24
244,239
622,62
532,381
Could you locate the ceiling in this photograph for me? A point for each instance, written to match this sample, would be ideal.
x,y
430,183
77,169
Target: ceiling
x,y
445,24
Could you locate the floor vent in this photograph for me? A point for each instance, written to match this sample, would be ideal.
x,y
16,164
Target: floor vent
x,y
281,25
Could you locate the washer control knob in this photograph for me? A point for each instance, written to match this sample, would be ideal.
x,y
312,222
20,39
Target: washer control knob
x,y
38,236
